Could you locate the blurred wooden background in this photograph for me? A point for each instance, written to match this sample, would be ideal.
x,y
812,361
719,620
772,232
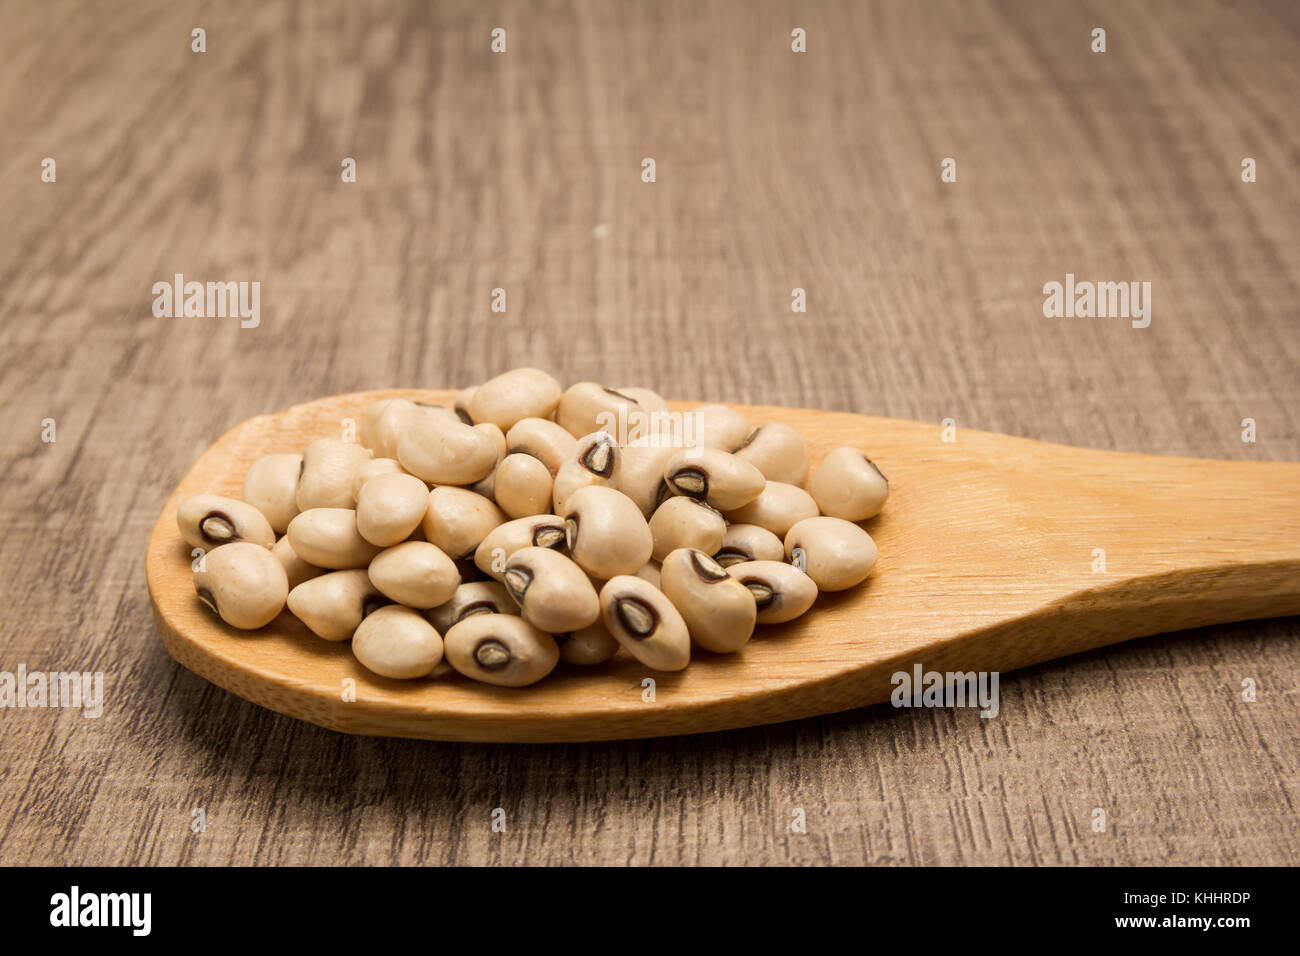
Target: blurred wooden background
x,y
521,171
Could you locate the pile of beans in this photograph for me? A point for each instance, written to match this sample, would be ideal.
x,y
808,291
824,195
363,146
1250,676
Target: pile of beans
x,y
529,525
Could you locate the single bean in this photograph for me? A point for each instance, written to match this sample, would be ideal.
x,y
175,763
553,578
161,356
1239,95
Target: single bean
x,y
778,451
781,592
710,474
208,521
329,538
381,425
543,439
748,542
540,531
848,485
457,520
472,597
717,426
605,532
591,645
777,508
644,621
373,469
385,421
641,467
523,486
649,572
515,395
333,604
295,567
589,406
397,642
390,507
649,400
835,553
415,573
244,583
500,649
328,466
686,523
719,610
442,450
551,590
271,486
594,460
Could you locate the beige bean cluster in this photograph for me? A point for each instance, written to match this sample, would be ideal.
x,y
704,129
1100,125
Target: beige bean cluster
x,y
528,525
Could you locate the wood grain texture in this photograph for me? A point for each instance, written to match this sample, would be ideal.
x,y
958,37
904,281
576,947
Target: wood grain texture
x,y
1003,576
522,172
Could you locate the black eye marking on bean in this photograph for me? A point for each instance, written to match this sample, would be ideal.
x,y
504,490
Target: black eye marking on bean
x,y
706,568
638,618
517,582
491,654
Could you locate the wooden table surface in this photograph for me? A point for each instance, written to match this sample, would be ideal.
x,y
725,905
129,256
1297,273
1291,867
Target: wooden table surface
x,y
522,171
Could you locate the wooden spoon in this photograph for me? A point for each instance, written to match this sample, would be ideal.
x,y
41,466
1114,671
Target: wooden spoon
x,y
991,558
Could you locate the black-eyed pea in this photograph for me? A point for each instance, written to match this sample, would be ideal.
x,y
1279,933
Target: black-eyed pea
x,y
835,553
686,523
513,396
589,646
415,573
717,426
847,484
295,568
457,520
641,467
328,466
329,538
386,420
373,468
589,406
543,439
710,474
605,532
647,399
244,583
472,597
334,604
748,542
778,451
523,486
382,425
777,508
390,507
397,642
645,623
209,521
500,649
553,593
271,486
593,460
719,610
539,531
440,449
781,591
649,572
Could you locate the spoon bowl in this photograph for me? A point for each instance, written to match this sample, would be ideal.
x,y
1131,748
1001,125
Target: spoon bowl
x,y
995,553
